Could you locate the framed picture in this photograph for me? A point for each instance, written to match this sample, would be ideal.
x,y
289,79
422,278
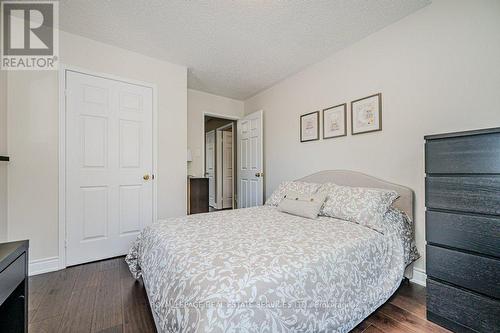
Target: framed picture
x,y
309,126
366,114
335,121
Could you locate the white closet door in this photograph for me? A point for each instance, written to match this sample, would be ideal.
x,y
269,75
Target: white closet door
x,y
227,169
250,171
210,166
109,150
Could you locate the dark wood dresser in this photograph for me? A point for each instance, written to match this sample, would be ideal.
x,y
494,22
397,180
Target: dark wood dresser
x,y
14,287
197,192
462,196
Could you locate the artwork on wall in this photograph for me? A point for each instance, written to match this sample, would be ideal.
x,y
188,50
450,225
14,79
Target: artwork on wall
x,y
335,121
366,114
309,126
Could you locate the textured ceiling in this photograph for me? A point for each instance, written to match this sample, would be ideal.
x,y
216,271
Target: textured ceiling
x,y
233,48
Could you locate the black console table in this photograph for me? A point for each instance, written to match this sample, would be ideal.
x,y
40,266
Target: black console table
x,y
14,287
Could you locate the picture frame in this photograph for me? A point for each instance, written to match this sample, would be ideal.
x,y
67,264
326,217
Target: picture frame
x,y
335,121
366,114
309,126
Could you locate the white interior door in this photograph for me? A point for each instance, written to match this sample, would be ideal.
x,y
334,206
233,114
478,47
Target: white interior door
x,y
109,160
218,168
227,169
250,166
210,166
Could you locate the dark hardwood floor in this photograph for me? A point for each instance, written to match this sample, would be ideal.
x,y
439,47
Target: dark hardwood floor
x,y
104,297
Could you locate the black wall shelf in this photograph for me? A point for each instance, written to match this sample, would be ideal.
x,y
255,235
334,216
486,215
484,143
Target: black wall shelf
x,y
4,158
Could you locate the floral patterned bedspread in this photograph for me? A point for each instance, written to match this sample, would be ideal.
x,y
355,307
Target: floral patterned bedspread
x,y
261,270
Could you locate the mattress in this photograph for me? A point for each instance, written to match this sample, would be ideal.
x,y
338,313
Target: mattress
x,y
261,270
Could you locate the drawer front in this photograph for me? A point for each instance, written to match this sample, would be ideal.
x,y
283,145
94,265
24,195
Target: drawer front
x,y
467,154
12,276
475,194
468,232
463,307
466,270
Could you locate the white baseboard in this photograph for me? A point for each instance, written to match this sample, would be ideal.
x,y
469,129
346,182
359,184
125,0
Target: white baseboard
x,y
44,265
419,276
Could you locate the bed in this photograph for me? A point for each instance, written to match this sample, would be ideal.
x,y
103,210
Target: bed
x,y
261,270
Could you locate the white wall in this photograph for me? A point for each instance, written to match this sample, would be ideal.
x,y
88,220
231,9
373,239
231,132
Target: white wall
x,y
33,137
438,71
198,103
3,150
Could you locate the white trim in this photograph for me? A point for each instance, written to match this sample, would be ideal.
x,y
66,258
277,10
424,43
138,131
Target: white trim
x,y
63,68
62,166
40,266
419,276
219,115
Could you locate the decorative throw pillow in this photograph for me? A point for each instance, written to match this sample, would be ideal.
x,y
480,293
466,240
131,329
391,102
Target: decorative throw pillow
x,y
305,205
365,206
284,187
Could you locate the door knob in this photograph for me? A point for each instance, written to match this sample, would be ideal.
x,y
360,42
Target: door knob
x,y
146,177
259,174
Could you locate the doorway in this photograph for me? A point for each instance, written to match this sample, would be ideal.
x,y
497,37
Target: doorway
x,y
220,155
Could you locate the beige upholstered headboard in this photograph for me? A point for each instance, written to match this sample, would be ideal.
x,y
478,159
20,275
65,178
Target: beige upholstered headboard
x,y
358,179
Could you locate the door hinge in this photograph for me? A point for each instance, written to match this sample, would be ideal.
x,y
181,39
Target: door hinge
x,y
66,243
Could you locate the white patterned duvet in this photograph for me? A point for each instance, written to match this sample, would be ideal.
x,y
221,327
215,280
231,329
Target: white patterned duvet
x,y
261,270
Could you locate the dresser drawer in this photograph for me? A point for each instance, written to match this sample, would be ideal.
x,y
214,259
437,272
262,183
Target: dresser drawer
x,y
12,276
466,154
466,270
468,309
464,231
475,194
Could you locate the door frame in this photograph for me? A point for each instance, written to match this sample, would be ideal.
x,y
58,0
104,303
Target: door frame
x,y
63,68
221,116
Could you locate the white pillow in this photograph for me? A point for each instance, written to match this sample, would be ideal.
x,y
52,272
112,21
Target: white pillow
x,y
305,205
365,206
296,186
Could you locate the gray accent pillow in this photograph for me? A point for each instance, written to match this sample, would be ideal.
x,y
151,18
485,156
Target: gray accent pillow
x,y
365,206
296,186
304,205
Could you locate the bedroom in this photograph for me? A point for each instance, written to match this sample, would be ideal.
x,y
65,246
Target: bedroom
x,y
433,66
